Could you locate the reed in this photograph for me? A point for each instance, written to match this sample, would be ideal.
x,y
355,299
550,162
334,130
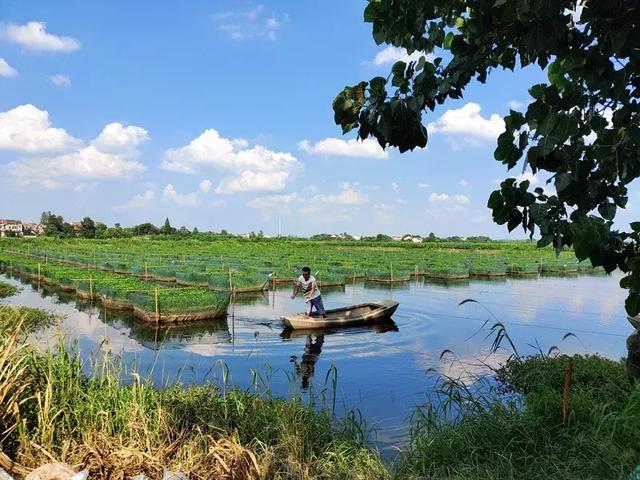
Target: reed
x,y
115,423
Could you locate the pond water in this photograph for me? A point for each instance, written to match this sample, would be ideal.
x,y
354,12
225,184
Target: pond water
x,y
382,372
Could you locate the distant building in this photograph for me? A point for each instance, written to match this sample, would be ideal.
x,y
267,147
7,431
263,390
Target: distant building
x,y
412,238
17,228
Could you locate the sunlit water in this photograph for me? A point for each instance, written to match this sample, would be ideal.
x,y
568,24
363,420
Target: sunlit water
x,y
382,372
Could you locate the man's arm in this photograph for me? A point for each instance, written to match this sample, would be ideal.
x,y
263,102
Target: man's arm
x,y
296,288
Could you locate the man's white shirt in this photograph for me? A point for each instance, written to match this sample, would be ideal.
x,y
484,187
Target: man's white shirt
x,y
307,286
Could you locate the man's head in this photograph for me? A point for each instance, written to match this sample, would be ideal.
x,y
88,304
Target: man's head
x,y
306,273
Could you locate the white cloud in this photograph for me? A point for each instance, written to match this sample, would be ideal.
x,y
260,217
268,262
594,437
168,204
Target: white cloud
x,y
169,194
141,200
257,168
438,197
212,150
205,186
461,199
384,211
274,202
395,186
60,80
88,162
250,181
515,105
463,183
33,36
28,129
253,23
7,70
393,54
465,126
116,137
348,195
423,185
368,148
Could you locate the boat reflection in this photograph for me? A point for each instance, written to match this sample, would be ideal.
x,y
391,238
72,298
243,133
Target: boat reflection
x,y
315,338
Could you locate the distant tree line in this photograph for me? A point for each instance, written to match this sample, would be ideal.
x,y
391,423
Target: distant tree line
x,y
55,226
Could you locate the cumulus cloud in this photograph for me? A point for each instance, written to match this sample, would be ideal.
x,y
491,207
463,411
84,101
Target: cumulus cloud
x,y
438,197
88,162
139,201
463,183
368,148
169,194
26,128
34,36
116,137
7,70
395,186
60,80
250,181
450,199
253,23
461,199
205,186
393,54
515,105
423,185
383,211
337,204
466,127
256,168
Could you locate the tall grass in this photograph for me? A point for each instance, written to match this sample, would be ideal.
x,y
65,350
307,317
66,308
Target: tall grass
x,y
7,290
514,429
51,410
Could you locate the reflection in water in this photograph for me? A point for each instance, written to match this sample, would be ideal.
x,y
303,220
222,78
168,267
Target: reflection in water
x,y
313,348
307,366
381,375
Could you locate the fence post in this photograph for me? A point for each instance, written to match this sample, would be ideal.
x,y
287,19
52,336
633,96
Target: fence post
x,y
90,287
38,273
157,310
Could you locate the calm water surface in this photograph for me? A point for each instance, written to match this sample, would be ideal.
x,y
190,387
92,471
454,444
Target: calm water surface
x,y
383,372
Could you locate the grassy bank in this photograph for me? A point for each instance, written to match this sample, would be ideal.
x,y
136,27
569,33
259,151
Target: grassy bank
x,y
52,410
523,437
7,290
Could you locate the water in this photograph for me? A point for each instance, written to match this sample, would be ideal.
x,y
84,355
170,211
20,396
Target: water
x,y
382,371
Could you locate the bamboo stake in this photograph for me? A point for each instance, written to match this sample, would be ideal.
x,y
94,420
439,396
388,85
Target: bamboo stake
x,y
230,281
90,287
38,273
146,273
157,310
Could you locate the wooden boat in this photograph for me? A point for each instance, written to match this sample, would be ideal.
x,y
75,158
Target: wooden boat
x,y
361,314
635,321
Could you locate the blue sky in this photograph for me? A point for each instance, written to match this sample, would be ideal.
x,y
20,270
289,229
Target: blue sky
x,y
218,114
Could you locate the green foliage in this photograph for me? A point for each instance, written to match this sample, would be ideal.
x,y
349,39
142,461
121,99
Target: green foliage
x,y
7,290
582,128
521,436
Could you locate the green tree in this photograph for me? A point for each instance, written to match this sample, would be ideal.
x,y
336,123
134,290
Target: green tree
x,y
87,228
167,229
581,129
145,229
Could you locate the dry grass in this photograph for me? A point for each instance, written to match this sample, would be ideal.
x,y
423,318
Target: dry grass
x,y
50,410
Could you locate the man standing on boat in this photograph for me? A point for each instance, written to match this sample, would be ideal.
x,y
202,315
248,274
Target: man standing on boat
x,y
307,283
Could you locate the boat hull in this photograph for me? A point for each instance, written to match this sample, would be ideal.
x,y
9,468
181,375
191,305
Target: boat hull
x,y
362,314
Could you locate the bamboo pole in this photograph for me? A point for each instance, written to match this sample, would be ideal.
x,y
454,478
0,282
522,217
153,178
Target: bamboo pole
x,y
146,272
157,310
38,273
90,287
230,281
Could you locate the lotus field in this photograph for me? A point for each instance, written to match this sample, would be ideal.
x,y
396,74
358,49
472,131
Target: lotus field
x,y
173,280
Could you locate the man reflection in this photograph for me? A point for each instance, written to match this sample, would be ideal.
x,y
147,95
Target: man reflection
x,y
306,367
